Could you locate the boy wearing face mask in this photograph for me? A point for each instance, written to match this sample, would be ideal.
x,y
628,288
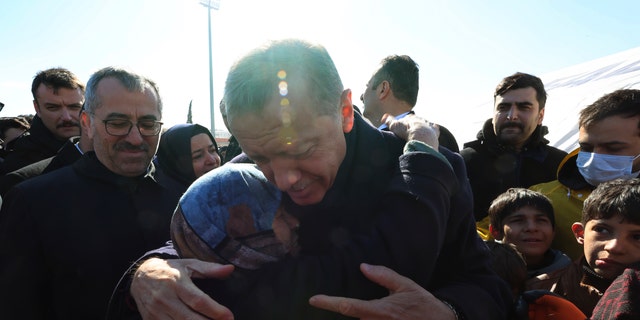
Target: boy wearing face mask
x,y
609,137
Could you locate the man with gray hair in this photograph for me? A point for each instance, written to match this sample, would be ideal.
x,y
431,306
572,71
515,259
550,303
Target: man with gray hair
x,y
408,207
66,236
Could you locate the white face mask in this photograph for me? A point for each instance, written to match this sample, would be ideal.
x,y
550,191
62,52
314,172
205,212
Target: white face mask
x,y
597,168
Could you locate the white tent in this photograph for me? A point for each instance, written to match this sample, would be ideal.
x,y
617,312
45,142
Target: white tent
x,y
573,88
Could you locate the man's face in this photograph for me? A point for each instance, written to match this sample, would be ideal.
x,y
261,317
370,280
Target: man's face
x,y
614,135
59,112
302,158
372,105
128,155
530,230
610,245
516,115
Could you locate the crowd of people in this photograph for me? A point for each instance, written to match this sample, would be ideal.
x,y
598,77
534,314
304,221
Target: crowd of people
x,y
316,209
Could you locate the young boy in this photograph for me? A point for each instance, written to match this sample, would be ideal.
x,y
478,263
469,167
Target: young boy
x,y
610,234
526,219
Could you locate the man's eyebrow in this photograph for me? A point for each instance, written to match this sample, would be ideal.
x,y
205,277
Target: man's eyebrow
x,y
148,117
117,115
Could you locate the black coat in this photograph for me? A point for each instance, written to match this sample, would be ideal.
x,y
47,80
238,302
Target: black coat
x,y
410,212
493,168
36,144
67,155
67,236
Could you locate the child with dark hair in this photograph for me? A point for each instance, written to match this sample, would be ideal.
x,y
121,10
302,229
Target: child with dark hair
x,y
526,219
610,234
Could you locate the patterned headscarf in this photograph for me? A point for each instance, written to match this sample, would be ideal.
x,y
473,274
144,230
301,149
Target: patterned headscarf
x,y
229,216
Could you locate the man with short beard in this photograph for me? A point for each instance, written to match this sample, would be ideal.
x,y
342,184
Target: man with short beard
x,y
66,236
510,150
58,95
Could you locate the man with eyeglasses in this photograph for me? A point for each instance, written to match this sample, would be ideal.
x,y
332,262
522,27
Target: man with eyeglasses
x,y
67,236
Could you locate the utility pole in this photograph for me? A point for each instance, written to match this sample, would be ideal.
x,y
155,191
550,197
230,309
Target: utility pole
x,y
211,4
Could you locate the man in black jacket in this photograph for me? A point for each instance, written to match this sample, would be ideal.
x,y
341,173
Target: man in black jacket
x,y
71,151
357,197
66,236
57,99
510,150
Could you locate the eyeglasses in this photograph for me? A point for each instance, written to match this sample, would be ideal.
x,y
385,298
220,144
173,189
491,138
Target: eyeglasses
x,y
121,128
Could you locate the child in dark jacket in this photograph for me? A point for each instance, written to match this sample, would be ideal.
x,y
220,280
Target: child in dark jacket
x,y
526,219
610,234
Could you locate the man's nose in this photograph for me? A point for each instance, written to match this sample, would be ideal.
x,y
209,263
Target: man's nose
x,y
134,137
513,113
285,173
66,115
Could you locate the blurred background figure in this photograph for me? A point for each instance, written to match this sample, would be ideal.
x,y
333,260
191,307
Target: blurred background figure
x,y
11,128
186,152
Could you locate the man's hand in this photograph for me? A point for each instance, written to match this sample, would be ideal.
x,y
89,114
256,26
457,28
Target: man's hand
x,y
163,289
412,127
406,300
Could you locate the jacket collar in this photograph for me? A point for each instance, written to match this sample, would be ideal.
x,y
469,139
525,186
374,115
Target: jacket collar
x,y
89,166
42,136
488,136
569,175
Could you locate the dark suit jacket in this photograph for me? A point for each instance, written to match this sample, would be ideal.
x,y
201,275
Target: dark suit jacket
x,y
34,145
67,236
410,212
67,155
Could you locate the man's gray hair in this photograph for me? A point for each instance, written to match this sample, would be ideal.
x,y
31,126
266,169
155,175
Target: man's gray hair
x,y
131,81
256,78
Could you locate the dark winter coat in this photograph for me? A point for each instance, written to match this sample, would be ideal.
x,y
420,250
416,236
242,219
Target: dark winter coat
x,y
493,167
412,215
36,144
66,238
67,155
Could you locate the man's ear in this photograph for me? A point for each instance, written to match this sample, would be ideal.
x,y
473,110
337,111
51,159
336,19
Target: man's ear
x,y
540,117
578,232
496,234
85,123
36,107
346,107
384,90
